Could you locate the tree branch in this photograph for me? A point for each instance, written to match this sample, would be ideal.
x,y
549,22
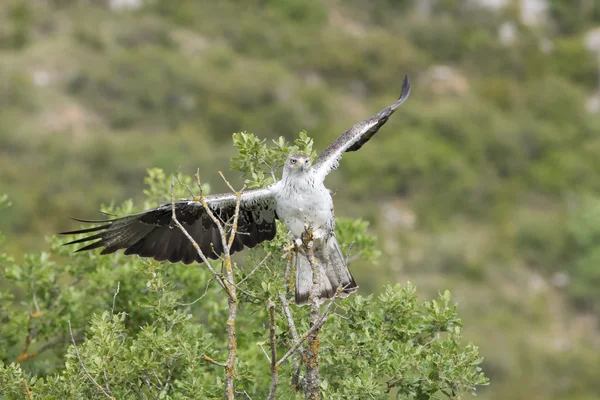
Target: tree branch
x,y
311,353
28,390
191,239
319,323
87,374
228,283
254,270
112,310
213,361
296,360
274,365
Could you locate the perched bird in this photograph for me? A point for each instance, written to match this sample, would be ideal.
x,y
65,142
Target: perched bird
x,y
299,200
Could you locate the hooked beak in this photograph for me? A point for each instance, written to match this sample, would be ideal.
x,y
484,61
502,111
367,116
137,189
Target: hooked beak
x,y
302,167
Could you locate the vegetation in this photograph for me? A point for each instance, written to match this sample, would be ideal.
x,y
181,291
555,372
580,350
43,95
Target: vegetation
x,y
486,181
155,342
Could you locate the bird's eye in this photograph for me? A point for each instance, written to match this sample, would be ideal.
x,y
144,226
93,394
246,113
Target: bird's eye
x,y
293,161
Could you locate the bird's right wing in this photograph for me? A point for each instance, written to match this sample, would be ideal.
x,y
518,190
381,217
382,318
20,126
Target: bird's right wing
x,y
359,134
153,233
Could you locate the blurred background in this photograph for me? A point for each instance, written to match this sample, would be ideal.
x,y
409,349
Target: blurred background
x,y
486,182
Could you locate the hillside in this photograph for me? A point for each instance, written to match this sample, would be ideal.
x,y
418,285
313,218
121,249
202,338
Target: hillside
x,y
486,183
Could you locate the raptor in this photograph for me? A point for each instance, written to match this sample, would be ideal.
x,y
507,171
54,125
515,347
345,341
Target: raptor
x,y
299,200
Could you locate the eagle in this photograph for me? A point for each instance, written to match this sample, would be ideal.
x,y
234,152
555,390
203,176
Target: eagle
x,y
299,200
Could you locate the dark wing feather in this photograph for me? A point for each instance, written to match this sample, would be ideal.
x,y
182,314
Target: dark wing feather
x,y
355,137
152,233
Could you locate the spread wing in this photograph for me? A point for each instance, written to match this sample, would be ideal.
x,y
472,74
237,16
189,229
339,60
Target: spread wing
x,y
359,134
152,233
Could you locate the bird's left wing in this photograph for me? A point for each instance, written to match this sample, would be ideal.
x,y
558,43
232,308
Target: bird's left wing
x,y
359,134
152,233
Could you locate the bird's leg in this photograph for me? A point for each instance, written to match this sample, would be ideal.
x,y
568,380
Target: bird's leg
x,y
295,247
308,236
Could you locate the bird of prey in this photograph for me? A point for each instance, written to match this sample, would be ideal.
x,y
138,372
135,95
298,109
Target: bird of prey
x,y
299,199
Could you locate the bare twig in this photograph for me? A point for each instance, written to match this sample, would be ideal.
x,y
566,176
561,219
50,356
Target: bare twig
x,y
198,182
35,300
31,332
112,310
46,347
228,283
107,385
87,374
254,270
319,323
262,347
311,354
348,252
288,315
28,390
191,239
184,184
271,169
236,215
296,357
227,182
274,366
169,374
244,393
288,273
213,361
199,298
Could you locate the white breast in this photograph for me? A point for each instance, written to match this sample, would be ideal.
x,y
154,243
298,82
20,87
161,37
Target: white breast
x,y
303,202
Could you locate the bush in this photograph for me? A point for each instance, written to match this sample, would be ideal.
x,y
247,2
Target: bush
x,y
91,326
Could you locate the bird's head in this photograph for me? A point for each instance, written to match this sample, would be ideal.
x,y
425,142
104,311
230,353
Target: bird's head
x,y
297,163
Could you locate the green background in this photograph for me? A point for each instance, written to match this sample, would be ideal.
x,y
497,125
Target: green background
x,y
486,182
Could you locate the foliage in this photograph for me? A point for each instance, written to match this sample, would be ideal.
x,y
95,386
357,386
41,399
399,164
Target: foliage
x,y
138,334
483,182
254,153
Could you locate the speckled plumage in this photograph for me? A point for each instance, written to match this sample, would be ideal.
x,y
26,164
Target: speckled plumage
x,y
300,199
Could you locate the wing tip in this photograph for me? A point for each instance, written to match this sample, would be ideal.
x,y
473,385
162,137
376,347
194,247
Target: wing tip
x,y
405,92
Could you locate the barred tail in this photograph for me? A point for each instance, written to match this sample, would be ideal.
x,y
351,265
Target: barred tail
x,y
333,272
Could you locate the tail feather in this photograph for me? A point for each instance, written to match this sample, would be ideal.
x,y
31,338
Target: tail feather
x,y
333,272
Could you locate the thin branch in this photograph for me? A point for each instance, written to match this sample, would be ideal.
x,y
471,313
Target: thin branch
x,y
28,390
198,182
31,333
191,239
254,269
35,300
288,316
46,347
271,170
236,218
261,345
311,354
227,182
296,357
199,298
112,310
169,374
287,275
348,252
183,184
247,293
320,322
244,393
90,377
228,284
107,385
273,342
213,361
